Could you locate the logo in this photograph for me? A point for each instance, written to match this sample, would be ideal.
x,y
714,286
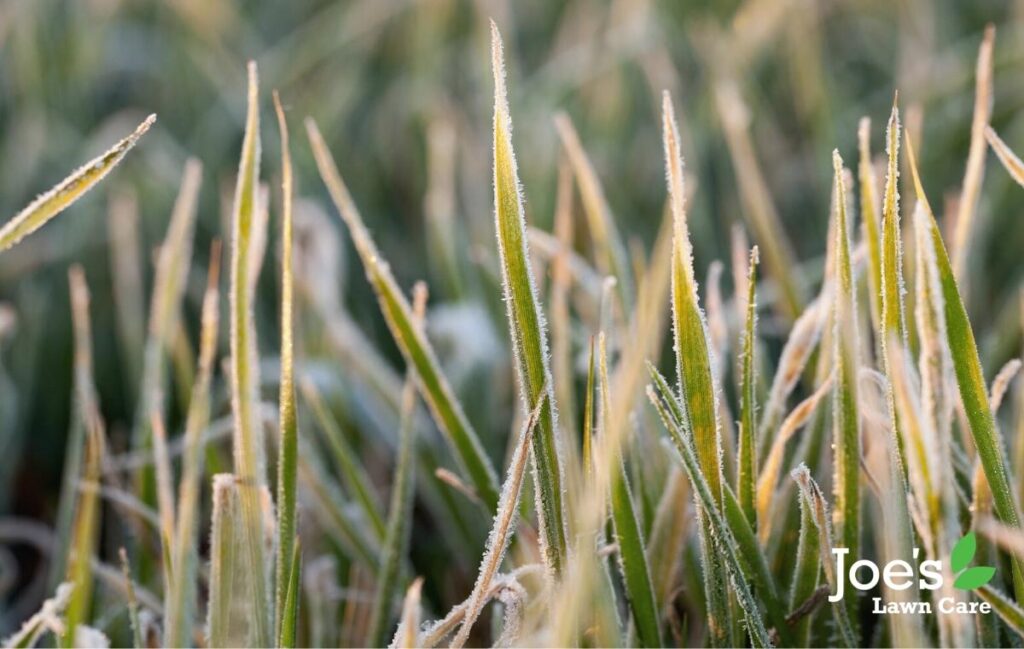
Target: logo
x,y
898,575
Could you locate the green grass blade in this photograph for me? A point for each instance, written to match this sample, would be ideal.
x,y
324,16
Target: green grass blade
x,y
1008,610
814,502
288,426
290,614
56,200
807,572
504,524
352,472
632,557
411,341
611,252
133,602
526,325
181,601
846,415
971,381
250,463
746,478
721,535
396,540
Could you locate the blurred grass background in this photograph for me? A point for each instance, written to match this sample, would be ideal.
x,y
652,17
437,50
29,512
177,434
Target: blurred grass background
x,y
384,78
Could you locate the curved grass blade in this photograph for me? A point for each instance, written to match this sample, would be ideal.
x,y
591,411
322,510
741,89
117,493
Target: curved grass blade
x,y
747,462
396,540
633,560
971,380
53,202
250,463
1011,162
815,503
288,425
180,601
504,524
526,324
411,341
612,258
716,527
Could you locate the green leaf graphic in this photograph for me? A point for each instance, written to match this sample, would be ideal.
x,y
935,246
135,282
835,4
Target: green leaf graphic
x,y
974,578
963,553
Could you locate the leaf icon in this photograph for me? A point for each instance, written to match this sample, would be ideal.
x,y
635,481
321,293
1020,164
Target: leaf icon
x,y
963,553
974,578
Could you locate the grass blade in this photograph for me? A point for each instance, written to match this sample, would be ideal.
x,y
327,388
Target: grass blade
x,y
633,560
133,602
611,253
180,601
721,536
47,618
56,200
504,524
975,172
846,416
807,573
1008,610
869,213
229,573
288,425
746,477
396,540
411,341
1011,162
250,462
290,614
85,531
971,381
526,325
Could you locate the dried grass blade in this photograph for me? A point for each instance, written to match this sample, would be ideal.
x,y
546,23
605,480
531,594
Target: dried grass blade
x,y
180,602
53,202
504,524
1010,161
870,214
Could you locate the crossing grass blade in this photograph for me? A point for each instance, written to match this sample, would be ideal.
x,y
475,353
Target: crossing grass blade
x,y
504,524
971,380
352,472
411,341
47,618
845,413
526,325
632,558
396,540
250,462
611,253
668,538
288,427
1011,162
746,478
180,600
714,526
1008,610
56,200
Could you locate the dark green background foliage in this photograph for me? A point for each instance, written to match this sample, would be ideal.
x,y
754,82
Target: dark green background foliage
x,y
376,74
